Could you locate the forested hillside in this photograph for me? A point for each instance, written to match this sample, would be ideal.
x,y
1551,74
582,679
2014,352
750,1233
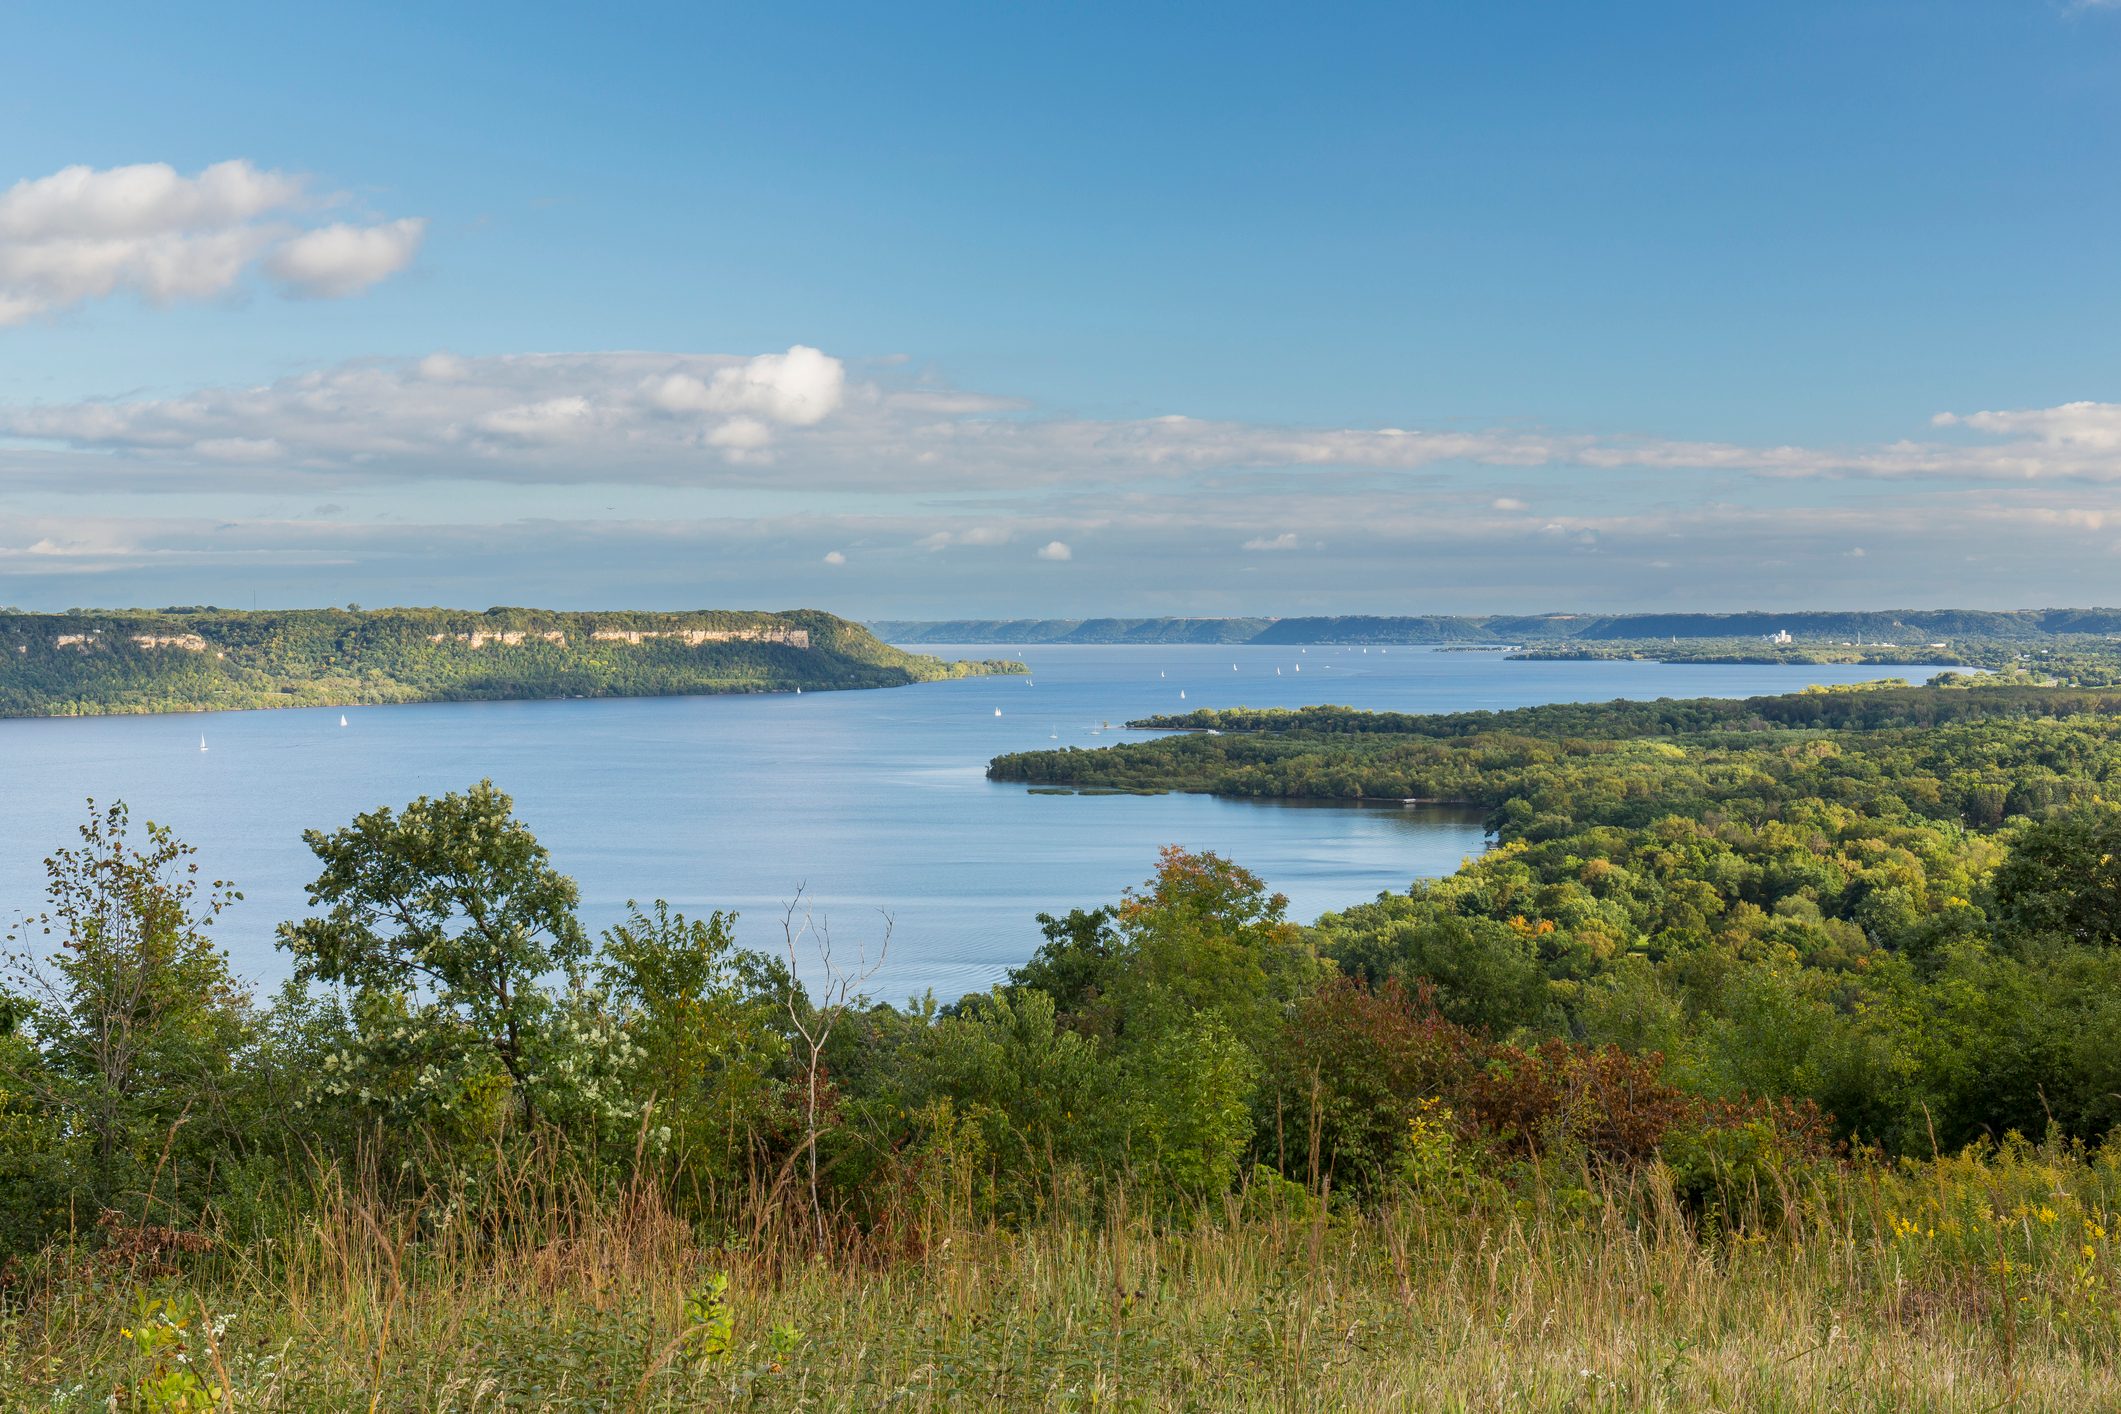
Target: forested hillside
x,y
172,660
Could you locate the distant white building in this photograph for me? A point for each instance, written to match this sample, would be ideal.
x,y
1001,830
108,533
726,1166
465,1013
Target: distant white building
x,y
1779,636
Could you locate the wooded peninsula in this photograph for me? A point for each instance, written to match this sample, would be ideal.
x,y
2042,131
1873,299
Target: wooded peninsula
x,y
94,662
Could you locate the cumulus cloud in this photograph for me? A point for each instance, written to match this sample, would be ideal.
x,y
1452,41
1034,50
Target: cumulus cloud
x,y
1509,503
1055,550
799,388
1287,540
335,261
85,233
834,557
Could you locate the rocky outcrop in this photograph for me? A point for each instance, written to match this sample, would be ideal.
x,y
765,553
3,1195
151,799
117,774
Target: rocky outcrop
x,y
694,637
507,637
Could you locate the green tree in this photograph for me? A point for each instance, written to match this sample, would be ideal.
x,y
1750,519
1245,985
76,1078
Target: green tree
x,y
135,1025
1205,938
451,901
1037,1094
1072,964
2063,877
701,1014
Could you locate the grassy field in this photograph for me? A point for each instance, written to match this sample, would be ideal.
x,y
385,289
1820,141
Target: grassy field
x,y
1975,1283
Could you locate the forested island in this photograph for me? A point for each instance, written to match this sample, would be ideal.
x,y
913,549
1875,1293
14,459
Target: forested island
x,y
93,662
1974,752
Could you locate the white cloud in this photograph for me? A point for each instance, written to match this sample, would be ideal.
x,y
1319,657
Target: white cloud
x,y
743,434
797,421
1287,540
1055,550
554,420
799,388
2081,426
83,234
146,199
335,261
834,557
240,449
620,417
978,535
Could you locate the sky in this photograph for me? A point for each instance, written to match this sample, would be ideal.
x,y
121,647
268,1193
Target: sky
x,y
988,310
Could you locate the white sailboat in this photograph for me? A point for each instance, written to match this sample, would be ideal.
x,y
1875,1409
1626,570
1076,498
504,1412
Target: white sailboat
x,y
997,711
1181,694
342,719
1299,667
202,741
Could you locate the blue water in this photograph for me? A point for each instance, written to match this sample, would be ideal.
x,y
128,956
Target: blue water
x,y
871,802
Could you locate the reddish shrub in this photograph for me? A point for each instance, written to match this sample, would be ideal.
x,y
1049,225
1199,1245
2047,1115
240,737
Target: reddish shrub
x,y
1353,1065
1617,1106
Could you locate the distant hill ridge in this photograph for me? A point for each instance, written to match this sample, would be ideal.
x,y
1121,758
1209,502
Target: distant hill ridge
x,y
1872,625
93,662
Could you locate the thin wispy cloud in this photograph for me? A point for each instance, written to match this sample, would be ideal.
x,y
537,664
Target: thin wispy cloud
x,y
800,419
1166,557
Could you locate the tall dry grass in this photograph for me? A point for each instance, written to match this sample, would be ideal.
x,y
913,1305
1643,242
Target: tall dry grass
x,y
1975,1283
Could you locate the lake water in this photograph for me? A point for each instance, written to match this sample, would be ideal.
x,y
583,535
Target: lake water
x,y
872,801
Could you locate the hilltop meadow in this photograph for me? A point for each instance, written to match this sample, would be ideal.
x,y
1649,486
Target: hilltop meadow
x,y
1769,1060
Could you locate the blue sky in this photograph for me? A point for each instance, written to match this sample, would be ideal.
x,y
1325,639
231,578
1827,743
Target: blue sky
x,y
983,310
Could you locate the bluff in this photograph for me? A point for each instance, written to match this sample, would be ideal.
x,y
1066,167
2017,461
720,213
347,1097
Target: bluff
x,y
92,662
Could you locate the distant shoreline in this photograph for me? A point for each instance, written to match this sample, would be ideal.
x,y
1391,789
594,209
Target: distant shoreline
x,y
1910,629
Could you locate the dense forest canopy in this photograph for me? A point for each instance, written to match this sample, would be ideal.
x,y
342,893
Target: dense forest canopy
x,y
87,662
1892,902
